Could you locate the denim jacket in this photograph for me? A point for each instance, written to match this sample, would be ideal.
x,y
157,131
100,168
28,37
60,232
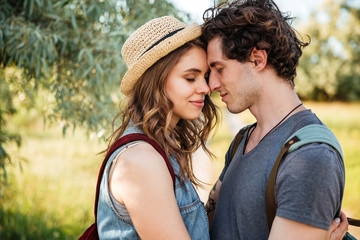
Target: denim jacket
x,y
113,226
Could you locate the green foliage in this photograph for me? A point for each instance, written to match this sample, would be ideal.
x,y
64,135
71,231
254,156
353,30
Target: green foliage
x,y
6,108
329,67
53,198
71,50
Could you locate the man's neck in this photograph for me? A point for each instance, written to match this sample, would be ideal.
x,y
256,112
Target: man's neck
x,y
277,103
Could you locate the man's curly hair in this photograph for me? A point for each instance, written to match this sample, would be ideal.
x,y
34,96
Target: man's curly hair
x,y
245,24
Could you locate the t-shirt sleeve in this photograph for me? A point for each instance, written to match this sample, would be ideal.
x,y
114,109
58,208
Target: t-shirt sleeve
x,y
310,185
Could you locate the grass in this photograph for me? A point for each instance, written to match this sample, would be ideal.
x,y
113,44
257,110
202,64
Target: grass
x,y
52,197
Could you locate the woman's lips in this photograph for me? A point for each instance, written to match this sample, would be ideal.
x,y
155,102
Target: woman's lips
x,y
198,103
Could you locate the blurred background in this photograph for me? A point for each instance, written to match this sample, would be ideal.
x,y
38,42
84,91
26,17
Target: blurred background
x,y
60,71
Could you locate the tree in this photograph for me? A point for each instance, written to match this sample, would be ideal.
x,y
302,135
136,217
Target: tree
x,y
329,67
70,49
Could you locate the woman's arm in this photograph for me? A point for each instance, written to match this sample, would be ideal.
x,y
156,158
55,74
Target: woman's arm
x,y
142,182
338,228
287,229
212,200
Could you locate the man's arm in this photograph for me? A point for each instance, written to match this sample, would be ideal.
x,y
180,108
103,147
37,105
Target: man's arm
x,y
212,200
308,194
286,229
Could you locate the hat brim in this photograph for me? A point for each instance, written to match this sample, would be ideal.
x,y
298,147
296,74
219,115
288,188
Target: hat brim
x,y
153,55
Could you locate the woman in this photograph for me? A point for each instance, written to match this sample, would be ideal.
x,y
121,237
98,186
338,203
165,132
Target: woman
x,y
167,100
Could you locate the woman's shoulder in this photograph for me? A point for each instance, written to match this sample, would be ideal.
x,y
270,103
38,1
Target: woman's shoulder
x,y
136,152
139,157
138,170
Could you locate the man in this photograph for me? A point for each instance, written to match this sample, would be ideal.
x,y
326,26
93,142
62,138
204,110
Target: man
x,y
253,53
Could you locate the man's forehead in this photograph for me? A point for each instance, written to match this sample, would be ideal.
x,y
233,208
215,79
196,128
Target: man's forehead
x,y
214,52
215,43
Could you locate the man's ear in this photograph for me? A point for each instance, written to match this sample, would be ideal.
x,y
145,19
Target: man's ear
x,y
259,57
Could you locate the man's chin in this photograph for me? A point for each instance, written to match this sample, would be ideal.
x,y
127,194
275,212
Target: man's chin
x,y
234,108
234,111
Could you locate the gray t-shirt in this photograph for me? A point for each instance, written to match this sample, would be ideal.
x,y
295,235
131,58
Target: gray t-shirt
x,y
308,189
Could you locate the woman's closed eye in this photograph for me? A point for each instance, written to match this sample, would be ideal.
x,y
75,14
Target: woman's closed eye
x,y
190,77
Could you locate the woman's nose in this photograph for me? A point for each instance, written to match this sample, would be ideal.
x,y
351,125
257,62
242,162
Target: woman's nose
x,y
203,87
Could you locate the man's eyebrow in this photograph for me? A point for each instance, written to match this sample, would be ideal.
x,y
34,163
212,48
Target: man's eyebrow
x,y
213,64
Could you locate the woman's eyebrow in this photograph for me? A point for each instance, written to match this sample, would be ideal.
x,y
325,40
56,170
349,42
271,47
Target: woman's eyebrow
x,y
193,70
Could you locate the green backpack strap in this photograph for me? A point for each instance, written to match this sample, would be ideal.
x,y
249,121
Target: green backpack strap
x,y
309,134
315,133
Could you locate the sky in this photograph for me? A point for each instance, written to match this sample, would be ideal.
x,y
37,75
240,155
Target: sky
x,y
300,9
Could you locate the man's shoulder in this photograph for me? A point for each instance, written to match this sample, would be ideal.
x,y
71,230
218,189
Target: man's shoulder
x,y
313,160
314,152
314,141
307,180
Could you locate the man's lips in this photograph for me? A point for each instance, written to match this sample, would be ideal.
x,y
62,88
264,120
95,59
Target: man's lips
x,y
223,95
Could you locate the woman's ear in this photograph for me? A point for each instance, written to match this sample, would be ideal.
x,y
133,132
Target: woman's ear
x,y
259,58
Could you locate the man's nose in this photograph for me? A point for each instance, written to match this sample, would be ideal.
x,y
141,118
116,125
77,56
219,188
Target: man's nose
x,y
214,83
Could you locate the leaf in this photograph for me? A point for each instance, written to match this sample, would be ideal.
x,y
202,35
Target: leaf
x,y
99,69
1,38
44,66
81,53
86,72
20,45
31,8
73,20
38,35
37,68
91,59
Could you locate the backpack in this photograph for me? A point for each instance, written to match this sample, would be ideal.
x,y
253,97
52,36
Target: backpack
x,y
91,233
309,134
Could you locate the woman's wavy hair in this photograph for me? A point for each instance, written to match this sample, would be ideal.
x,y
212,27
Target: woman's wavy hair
x,y
243,25
149,108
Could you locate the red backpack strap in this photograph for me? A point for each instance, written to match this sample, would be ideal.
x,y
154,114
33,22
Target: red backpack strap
x,y
125,140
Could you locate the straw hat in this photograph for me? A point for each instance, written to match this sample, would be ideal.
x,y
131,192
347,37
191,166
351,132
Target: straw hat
x,y
152,41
